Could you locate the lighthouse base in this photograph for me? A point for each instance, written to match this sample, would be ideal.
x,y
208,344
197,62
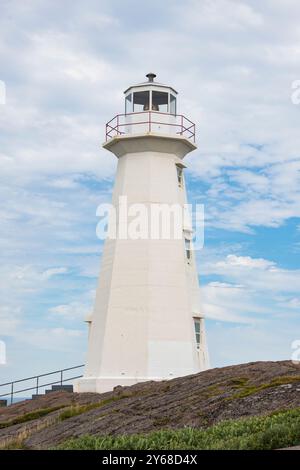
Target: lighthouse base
x,y
107,384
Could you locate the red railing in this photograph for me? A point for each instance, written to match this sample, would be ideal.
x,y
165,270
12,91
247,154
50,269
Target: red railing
x,y
153,121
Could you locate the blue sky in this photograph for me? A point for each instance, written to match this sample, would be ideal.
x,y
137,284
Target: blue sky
x,y
65,66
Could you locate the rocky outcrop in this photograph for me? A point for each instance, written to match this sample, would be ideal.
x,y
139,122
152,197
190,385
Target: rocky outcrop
x,y
198,400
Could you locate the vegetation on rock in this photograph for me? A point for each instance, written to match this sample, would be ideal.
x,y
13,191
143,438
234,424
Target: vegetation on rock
x,y
281,429
188,410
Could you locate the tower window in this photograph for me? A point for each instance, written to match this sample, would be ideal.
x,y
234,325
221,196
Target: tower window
x,y
179,175
188,249
141,101
160,101
197,323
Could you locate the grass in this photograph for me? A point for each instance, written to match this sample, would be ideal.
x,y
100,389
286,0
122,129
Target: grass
x,y
16,441
251,389
239,382
213,391
77,410
280,429
30,416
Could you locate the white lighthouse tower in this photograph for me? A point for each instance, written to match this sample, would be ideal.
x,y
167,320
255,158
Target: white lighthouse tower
x,y
147,323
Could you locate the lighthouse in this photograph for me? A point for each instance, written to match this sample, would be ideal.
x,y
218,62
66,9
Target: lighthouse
x,y
147,322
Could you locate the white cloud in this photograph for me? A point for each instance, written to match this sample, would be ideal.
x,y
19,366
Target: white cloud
x,y
10,320
53,272
237,344
64,183
229,303
255,273
65,72
57,339
70,89
294,303
27,276
255,181
246,261
71,310
249,290
221,14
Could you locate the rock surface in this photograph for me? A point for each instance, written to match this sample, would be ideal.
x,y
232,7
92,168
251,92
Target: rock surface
x,y
198,400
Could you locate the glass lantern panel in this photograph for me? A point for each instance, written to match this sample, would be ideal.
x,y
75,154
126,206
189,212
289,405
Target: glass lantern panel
x,y
172,104
141,101
128,104
160,101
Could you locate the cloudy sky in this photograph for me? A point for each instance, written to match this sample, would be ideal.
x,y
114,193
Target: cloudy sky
x,y
65,65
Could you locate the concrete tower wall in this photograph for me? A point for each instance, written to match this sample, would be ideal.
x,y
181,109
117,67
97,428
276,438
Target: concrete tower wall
x,y
142,326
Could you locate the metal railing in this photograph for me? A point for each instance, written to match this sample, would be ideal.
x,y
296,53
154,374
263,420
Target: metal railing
x,y
123,124
38,385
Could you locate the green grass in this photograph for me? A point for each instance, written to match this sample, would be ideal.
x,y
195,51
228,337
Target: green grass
x,y
213,391
280,429
30,416
238,382
77,410
251,389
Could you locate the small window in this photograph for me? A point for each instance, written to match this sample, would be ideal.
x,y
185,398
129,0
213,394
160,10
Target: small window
x,y
128,104
197,326
140,101
172,104
188,249
160,101
179,175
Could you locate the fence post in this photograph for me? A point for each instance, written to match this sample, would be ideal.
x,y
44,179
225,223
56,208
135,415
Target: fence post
x,y
61,377
12,393
37,385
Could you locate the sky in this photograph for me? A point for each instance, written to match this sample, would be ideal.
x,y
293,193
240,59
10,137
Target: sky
x,y
65,66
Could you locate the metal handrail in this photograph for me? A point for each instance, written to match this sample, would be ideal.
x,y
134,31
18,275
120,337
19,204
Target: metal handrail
x,y
184,124
38,386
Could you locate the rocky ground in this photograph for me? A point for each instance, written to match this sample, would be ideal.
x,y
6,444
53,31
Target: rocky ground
x,y
198,400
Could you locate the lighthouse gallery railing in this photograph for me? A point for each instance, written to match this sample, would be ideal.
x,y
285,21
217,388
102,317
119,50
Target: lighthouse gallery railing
x,y
149,121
